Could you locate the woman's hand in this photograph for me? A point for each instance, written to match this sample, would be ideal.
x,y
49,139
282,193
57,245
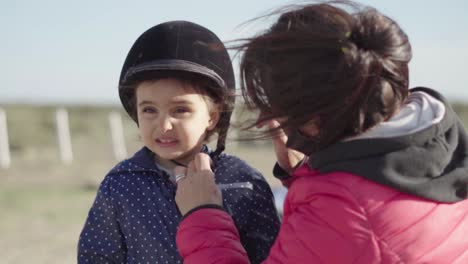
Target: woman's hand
x,y
288,159
198,187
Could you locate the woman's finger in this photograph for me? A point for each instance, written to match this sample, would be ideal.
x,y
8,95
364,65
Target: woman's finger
x,y
202,162
180,170
191,169
279,138
180,173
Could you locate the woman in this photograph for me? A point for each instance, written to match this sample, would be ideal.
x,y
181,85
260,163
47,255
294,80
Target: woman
x,y
386,177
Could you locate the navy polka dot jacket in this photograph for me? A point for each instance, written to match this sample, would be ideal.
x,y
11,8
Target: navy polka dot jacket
x,y
134,218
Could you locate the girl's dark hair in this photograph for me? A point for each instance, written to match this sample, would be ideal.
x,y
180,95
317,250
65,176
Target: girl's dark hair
x,y
200,84
342,65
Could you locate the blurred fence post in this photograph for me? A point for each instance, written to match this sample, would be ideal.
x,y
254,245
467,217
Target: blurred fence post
x,y
117,135
4,144
63,132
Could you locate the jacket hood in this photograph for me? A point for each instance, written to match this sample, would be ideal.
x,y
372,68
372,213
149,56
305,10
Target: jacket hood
x,y
427,158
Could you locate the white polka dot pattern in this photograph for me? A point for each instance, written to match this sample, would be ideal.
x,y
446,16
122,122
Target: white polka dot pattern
x,y
134,217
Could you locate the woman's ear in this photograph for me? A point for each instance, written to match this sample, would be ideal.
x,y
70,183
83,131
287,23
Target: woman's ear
x,y
311,127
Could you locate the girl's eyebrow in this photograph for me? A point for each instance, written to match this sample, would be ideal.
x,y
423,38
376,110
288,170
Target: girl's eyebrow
x,y
174,102
181,101
145,103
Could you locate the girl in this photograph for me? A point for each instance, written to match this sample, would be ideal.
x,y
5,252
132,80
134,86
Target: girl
x,y
387,175
176,83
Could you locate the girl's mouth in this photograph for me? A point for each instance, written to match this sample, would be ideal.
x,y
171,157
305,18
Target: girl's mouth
x,y
166,143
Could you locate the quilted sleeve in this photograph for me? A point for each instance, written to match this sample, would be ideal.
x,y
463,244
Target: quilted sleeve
x,y
208,235
323,224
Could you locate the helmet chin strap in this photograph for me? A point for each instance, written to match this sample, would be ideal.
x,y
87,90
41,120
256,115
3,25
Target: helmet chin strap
x,y
178,163
216,153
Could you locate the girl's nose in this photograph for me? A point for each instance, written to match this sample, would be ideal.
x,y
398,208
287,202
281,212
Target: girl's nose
x,y
165,124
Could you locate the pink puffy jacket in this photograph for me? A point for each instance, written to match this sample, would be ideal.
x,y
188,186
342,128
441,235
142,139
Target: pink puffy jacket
x,y
339,218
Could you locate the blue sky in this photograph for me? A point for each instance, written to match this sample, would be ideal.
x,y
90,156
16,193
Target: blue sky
x,y
71,51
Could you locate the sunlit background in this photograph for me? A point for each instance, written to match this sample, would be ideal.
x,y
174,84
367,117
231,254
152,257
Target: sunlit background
x,y
60,61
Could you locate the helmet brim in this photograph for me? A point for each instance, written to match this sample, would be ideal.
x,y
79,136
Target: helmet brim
x,y
175,65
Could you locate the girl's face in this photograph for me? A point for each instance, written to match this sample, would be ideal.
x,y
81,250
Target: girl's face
x,y
173,119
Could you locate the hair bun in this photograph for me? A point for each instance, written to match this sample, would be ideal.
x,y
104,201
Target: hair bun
x,y
380,34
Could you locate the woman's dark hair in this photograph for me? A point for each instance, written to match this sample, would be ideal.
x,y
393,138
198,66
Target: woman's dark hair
x,y
343,65
200,84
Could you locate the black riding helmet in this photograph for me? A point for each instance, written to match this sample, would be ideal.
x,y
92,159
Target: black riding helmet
x,y
179,46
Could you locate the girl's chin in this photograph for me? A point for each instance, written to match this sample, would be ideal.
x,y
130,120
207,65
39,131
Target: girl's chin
x,y
183,157
171,156
178,157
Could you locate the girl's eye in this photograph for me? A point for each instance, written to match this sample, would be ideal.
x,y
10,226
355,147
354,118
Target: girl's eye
x,y
149,110
181,110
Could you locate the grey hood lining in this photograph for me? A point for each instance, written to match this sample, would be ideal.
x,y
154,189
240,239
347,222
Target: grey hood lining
x,y
431,163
